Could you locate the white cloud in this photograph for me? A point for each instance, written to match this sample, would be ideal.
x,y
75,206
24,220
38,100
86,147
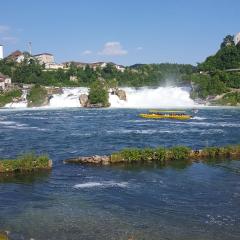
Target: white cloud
x,y
113,49
87,52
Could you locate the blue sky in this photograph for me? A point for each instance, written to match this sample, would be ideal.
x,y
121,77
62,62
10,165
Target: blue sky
x,y
125,32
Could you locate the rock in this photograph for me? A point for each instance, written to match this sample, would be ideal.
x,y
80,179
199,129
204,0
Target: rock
x,y
96,105
83,98
54,90
121,94
104,160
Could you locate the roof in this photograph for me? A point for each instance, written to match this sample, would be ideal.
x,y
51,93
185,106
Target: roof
x,y
166,111
43,54
15,54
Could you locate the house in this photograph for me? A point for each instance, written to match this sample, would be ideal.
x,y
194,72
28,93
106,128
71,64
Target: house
x,y
98,65
16,56
120,68
5,81
54,66
45,58
237,38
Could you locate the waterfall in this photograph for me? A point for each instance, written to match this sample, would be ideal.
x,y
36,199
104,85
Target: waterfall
x,y
161,97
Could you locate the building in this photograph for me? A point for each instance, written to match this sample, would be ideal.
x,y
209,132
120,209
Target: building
x,y
16,56
45,58
1,52
237,38
5,81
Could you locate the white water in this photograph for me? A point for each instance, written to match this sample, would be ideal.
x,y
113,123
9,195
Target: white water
x,y
161,97
69,98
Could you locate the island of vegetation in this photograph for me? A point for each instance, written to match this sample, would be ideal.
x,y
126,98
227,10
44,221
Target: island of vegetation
x,y
161,155
215,81
24,164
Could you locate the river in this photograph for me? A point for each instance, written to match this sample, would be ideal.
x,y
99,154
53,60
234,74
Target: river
x,y
197,201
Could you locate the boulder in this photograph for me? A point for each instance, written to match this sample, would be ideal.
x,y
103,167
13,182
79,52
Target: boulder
x,y
121,94
83,98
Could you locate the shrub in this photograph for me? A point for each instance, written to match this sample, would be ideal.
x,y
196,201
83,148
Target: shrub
x,y
98,94
27,162
180,153
37,96
7,97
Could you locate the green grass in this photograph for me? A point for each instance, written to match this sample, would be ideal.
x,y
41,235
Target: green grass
x,y
176,153
25,163
7,97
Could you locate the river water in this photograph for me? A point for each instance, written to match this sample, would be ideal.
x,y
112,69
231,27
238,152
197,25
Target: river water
x,y
197,201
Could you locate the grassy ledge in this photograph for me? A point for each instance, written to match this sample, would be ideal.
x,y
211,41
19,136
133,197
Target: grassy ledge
x,y
161,155
26,163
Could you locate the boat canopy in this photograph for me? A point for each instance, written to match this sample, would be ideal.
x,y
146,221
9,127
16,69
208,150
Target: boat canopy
x,y
166,111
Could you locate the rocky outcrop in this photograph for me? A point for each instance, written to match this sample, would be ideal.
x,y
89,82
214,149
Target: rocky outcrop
x,y
102,160
54,90
84,101
161,155
121,94
83,98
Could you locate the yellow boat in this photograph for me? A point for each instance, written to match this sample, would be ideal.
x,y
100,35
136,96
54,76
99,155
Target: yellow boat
x,y
165,114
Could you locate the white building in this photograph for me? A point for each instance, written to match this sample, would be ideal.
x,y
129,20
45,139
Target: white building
x,y
1,52
237,38
45,58
5,81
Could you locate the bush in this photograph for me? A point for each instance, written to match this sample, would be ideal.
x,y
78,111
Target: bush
x,y
7,97
179,153
27,162
37,96
98,94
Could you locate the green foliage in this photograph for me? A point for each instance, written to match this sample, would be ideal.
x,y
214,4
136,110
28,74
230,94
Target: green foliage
x,y
153,154
131,154
228,41
98,94
27,162
232,99
37,96
227,57
7,97
30,71
180,153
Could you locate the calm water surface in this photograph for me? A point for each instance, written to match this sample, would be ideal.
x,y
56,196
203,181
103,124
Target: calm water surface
x,y
198,201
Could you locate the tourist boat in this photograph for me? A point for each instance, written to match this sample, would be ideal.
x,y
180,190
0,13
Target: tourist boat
x,y
166,114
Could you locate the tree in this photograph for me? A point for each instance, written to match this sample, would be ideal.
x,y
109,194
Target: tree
x,y
98,94
228,41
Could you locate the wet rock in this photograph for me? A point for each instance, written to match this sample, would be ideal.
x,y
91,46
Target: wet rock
x,y
121,94
54,90
83,98
103,160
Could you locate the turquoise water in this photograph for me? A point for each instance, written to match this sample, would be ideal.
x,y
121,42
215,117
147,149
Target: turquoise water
x,y
197,201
